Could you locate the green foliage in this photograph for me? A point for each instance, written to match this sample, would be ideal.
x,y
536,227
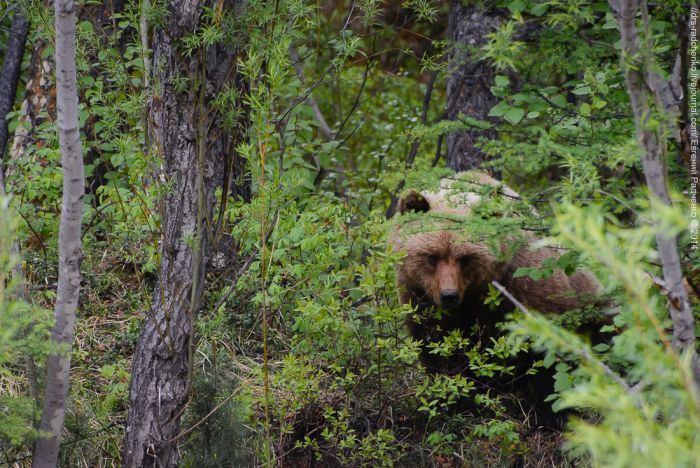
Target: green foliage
x,y
566,263
218,434
23,337
641,388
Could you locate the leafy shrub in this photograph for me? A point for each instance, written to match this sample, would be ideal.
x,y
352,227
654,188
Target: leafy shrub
x,y
23,339
640,388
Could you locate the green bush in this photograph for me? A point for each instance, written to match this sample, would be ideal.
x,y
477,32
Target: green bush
x,y
23,342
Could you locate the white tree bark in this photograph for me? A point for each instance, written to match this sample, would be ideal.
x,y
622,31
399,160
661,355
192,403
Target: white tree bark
x,y
69,242
648,93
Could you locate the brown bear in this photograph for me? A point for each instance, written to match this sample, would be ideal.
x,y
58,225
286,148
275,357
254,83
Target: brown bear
x,y
446,271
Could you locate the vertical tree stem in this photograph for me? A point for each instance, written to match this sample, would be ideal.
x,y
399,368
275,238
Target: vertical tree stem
x,y
69,240
643,86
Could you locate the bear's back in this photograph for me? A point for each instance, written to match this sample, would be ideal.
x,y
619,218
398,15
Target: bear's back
x,y
459,193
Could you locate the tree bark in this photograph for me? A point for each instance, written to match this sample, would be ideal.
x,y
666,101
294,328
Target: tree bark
x,y
648,93
469,82
8,81
196,150
38,105
69,240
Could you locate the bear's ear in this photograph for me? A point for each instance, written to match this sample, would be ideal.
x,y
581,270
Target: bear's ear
x,y
413,201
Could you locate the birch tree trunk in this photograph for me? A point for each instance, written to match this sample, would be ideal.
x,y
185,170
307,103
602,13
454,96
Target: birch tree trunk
x,y
195,148
648,96
69,241
469,82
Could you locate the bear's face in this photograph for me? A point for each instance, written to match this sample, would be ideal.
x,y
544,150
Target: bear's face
x,y
444,269
441,265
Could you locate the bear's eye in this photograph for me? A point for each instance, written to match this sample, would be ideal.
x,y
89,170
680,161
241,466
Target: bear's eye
x,y
464,261
433,260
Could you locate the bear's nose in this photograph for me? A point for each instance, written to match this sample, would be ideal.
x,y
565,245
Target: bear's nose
x,y
449,297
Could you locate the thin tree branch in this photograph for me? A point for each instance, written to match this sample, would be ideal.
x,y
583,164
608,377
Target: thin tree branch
x,y
323,126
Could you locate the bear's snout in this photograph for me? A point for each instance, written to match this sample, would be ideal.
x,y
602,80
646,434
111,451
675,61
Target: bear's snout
x,y
449,298
447,284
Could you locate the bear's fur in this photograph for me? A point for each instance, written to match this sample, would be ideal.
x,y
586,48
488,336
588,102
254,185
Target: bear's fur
x,y
446,271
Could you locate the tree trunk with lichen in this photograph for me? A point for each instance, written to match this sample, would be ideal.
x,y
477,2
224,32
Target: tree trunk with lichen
x,y
651,96
469,81
198,156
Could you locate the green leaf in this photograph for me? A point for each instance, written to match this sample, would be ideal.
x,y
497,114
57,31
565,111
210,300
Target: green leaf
x,y
117,159
539,9
549,359
502,81
85,27
581,90
514,115
83,116
598,103
499,109
521,272
107,371
585,109
516,6
559,100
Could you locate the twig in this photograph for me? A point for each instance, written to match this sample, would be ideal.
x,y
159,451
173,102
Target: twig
x,y
233,284
365,75
193,427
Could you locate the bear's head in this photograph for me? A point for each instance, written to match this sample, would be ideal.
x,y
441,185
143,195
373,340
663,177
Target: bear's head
x,y
441,266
